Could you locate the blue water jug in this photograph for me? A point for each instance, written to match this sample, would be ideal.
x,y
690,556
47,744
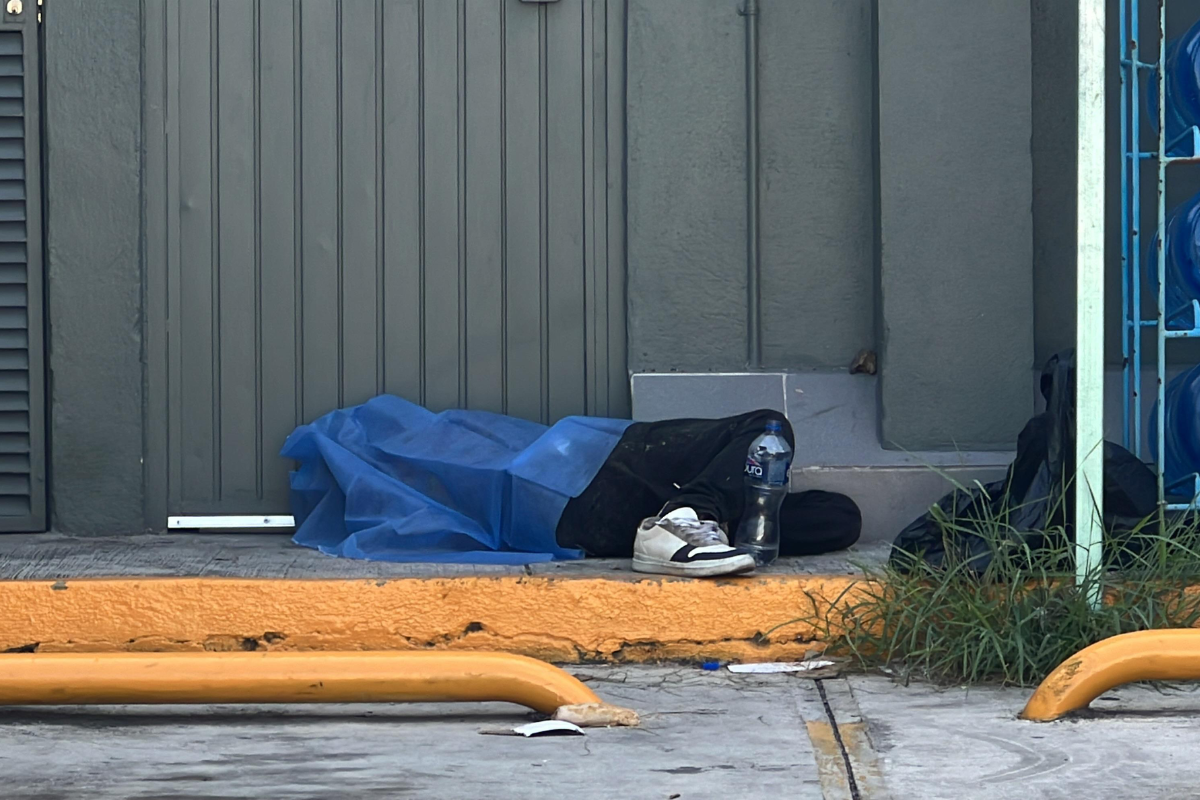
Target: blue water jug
x,y
1182,439
1183,86
1183,263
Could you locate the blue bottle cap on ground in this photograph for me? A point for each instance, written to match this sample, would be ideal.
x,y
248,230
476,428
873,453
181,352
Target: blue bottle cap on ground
x,y
774,426
711,666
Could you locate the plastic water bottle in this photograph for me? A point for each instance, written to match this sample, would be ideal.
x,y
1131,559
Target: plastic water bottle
x,y
767,466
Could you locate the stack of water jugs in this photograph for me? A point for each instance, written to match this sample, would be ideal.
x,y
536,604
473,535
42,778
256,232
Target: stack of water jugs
x,y
1182,251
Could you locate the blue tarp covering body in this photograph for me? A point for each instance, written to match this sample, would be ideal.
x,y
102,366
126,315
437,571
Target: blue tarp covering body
x,y
392,481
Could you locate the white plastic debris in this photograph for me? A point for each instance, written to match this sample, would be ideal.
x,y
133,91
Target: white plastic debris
x,y
773,667
550,727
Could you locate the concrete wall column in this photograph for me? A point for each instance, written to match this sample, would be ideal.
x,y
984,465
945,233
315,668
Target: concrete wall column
x,y
955,222
686,129
94,285
686,186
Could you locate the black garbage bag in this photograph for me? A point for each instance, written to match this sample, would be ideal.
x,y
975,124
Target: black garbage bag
x,y
1036,498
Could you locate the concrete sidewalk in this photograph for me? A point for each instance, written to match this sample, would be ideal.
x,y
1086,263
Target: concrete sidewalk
x,y
705,735
1136,741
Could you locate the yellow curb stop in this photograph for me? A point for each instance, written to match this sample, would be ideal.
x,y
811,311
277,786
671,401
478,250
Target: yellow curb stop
x,y
1159,655
365,677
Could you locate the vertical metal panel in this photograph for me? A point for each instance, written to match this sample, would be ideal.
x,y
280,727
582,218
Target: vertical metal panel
x,y
360,255
484,235
612,381
237,275
194,267
160,215
441,179
22,395
277,82
320,213
565,118
155,216
592,92
353,196
523,174
401,200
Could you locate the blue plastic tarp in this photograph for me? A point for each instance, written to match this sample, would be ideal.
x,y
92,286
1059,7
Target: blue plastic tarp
x,y
392,481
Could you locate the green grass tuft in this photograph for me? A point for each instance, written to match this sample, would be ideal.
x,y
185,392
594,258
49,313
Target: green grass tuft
x,y
1021,616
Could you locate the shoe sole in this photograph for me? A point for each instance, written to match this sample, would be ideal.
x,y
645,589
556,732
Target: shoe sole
x,y
738,565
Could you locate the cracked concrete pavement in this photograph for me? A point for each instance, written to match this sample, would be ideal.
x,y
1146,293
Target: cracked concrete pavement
x,y
705,735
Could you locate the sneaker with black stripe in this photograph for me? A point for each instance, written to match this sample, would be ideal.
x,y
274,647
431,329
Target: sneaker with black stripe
x,y
680,543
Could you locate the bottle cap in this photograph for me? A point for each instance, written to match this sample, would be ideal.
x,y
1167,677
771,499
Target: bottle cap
x,y
774,426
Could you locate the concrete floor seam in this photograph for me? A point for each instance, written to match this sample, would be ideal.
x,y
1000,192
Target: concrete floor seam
x,y
837,737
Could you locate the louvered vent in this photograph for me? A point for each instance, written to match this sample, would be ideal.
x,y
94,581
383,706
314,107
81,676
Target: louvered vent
x,y
16,439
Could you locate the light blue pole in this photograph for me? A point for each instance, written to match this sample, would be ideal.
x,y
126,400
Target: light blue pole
x,y
1089,335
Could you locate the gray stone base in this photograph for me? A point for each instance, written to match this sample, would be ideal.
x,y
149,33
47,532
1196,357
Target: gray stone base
x,y
892,497
835,417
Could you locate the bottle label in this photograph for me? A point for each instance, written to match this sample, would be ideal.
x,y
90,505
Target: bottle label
x,y
774,473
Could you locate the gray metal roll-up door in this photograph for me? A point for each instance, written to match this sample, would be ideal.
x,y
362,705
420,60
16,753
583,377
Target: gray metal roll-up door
x,y
22,376
349,197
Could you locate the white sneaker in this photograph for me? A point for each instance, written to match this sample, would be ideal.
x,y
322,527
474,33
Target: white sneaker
x,y
680,543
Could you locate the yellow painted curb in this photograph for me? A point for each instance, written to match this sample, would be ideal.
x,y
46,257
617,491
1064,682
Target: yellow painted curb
x,y
551,618
1162,655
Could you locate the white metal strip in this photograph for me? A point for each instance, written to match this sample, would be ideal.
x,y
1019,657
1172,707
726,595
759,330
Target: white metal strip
x,y
1089,344
230,522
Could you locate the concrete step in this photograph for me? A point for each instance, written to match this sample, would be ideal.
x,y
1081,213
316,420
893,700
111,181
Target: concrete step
x,y
259,592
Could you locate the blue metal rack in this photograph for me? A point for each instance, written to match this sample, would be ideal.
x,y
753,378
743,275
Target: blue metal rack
x,y
1184,149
